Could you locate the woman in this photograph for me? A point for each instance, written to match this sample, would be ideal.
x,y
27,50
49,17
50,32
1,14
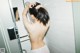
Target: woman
x,y
38,26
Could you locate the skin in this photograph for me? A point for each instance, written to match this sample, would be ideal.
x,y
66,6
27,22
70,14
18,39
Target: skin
x,y
36,30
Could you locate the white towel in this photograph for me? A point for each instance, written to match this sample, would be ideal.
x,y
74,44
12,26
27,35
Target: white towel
x,y
43,49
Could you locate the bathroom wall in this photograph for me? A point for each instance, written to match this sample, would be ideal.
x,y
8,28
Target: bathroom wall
x,y
60,37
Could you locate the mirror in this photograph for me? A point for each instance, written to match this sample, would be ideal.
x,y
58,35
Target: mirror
x,y
16,14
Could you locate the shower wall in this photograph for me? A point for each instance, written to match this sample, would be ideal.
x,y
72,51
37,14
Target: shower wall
x,y
60,37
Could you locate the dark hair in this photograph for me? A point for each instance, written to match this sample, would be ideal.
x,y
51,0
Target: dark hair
x,y
41,14
15,9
